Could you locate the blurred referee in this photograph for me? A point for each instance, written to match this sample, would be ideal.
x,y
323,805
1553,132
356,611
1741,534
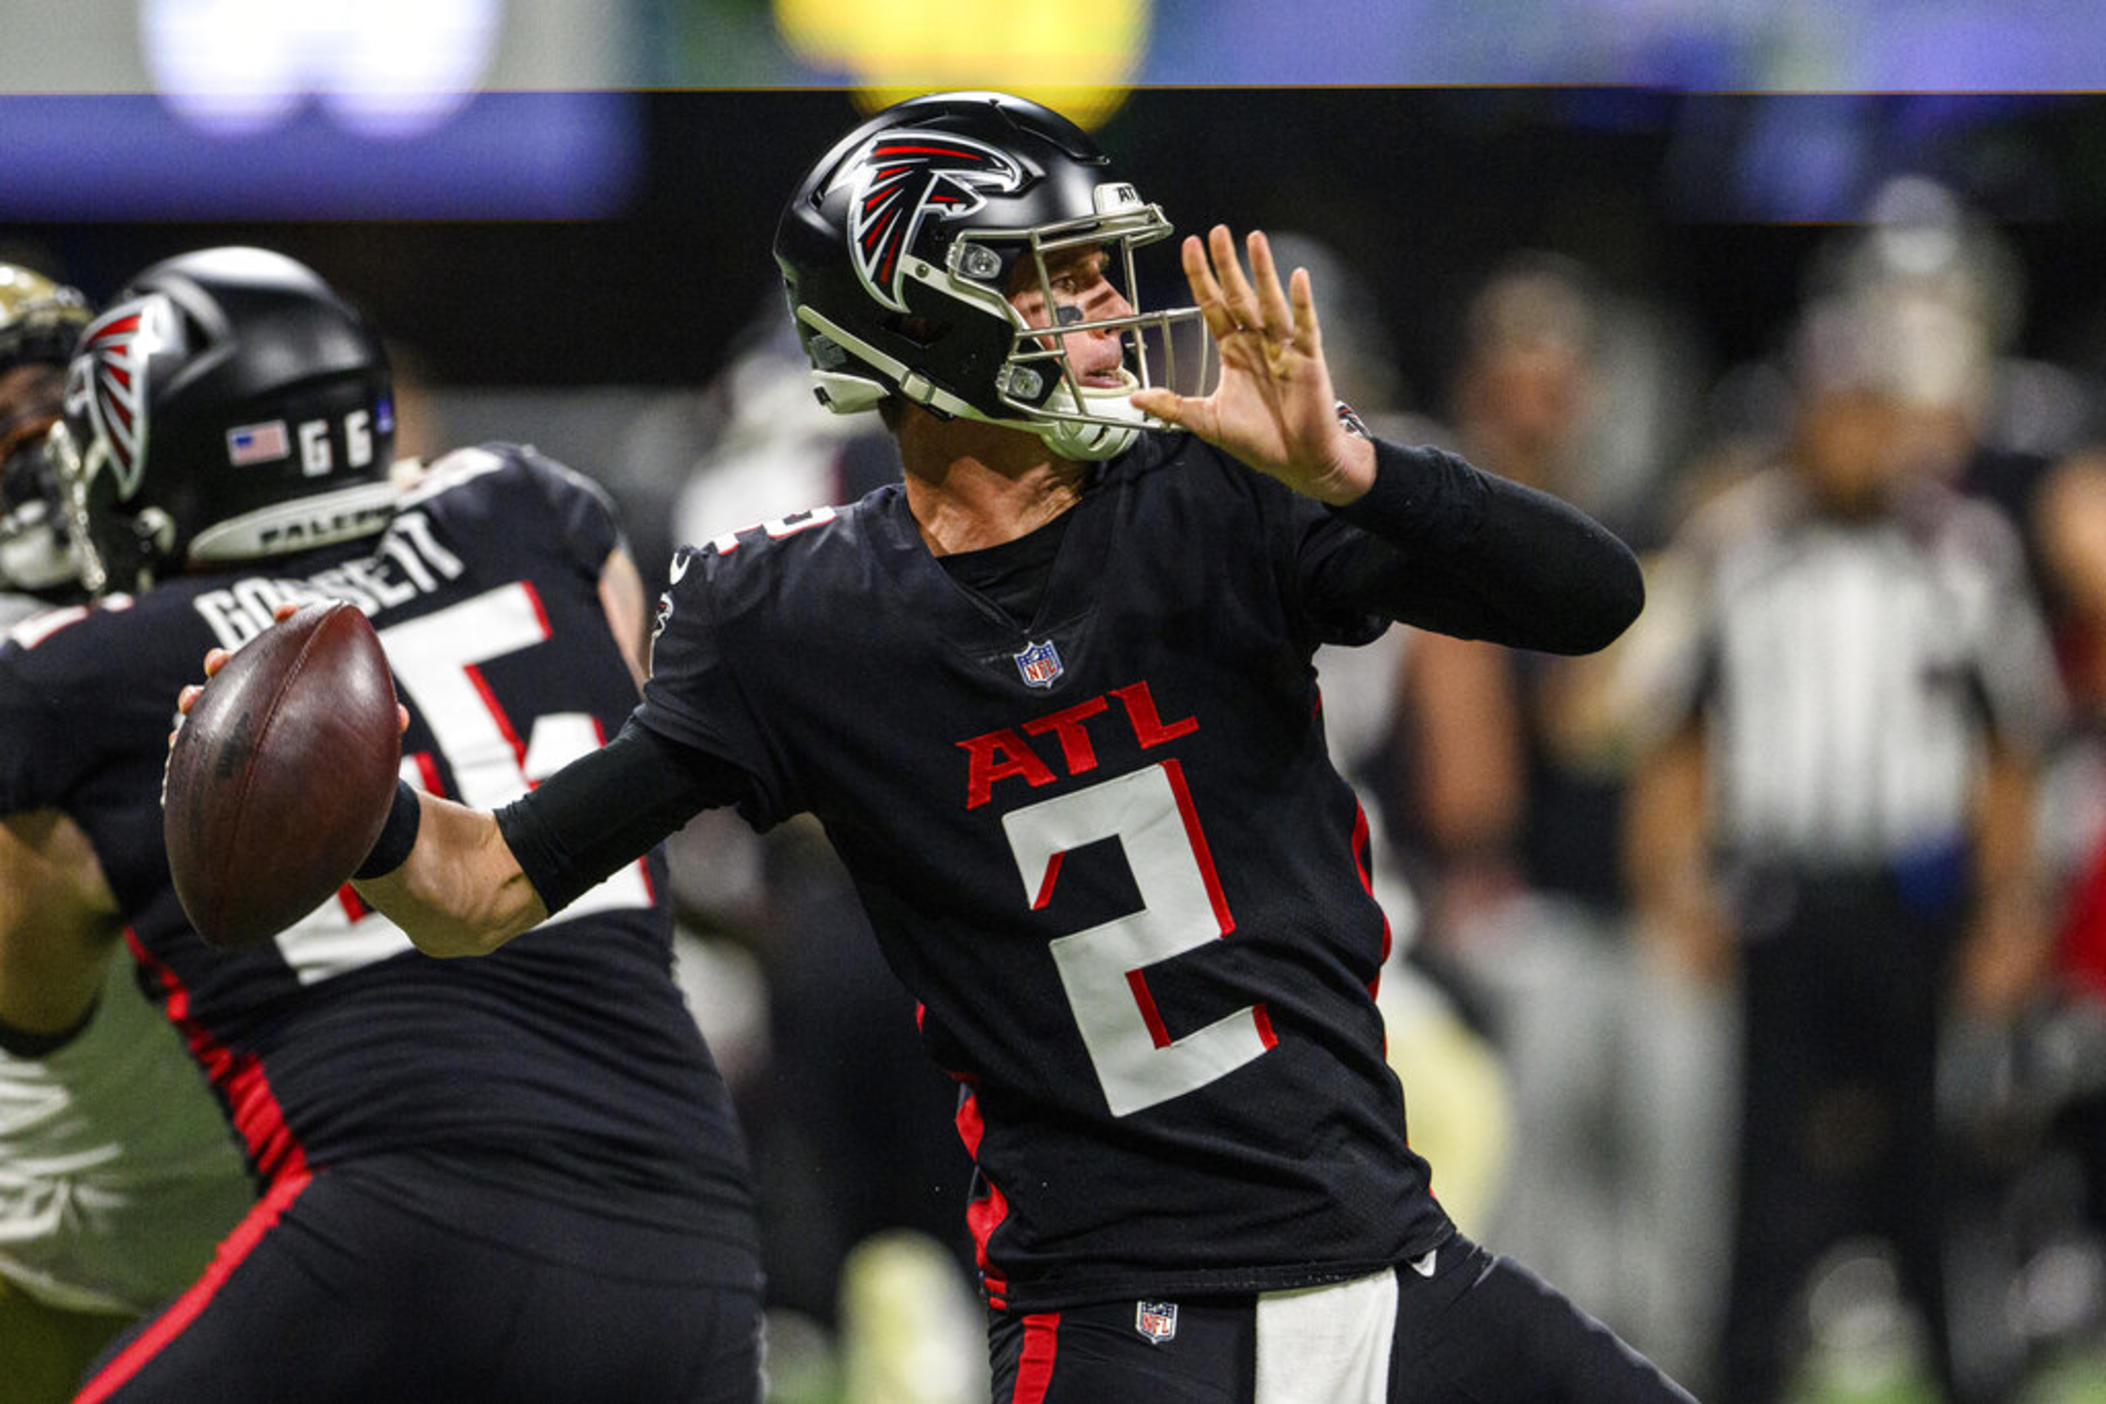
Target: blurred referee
x,y
1843,810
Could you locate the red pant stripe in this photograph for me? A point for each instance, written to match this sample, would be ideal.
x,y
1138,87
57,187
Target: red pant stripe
x,y
1034,1366
171,1323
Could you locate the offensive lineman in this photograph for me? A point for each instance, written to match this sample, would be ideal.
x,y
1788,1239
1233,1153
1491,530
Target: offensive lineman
x,y
519,1180
1052,699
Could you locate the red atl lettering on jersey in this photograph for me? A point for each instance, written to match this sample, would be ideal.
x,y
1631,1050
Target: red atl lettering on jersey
x,y
1005,754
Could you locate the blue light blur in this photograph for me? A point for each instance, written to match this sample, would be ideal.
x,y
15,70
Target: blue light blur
x,y
502,156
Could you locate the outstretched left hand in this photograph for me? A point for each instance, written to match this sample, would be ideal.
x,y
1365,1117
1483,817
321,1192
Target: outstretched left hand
x,y
1273,408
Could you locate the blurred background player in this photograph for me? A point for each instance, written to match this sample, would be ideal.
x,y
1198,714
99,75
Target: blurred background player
x,y
117,1171
1509,792
39,321
1841,818
522,1184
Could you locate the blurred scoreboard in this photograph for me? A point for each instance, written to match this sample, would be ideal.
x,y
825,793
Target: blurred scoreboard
x,y
227,109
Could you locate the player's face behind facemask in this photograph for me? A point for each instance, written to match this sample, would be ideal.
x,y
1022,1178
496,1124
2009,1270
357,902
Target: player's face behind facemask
x,y
907,248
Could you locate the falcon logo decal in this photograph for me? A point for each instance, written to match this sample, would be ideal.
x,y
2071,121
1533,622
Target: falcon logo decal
x,y
106,384
897,180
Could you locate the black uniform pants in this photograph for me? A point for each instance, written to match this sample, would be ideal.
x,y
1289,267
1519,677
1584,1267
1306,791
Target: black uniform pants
x,y
1478,1330
1841,990
342,1285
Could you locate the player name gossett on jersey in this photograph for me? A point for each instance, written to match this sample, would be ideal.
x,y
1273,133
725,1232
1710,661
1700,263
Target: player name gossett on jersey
x,y
572,1055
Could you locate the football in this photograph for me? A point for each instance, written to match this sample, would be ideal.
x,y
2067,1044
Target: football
x,y
281,777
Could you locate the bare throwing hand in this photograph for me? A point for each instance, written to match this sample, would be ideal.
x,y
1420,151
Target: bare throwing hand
x,y
1274,408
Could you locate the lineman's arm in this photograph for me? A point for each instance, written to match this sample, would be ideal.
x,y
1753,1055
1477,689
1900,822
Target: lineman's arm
x,y
622,597
59,923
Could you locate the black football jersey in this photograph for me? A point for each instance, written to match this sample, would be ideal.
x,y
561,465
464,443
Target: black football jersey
x,y
570,1052
1105,851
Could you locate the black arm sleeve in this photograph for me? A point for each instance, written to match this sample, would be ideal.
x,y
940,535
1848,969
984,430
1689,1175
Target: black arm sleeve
x,y
606,809
1459,551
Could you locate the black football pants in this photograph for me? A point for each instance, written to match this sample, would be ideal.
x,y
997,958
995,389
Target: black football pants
x,y
334,1289
1479,1330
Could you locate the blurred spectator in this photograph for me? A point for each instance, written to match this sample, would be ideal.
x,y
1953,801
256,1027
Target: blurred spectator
x,y
1460,1104
1840,812
2060,1068
1512,786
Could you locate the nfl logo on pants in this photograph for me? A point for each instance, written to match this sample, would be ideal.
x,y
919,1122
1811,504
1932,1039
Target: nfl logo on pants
x,y
1156,1321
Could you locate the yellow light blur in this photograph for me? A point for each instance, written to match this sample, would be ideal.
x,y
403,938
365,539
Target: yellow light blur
x,y
1078,58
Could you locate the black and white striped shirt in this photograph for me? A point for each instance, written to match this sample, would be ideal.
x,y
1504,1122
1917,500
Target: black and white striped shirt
x,y
1851,673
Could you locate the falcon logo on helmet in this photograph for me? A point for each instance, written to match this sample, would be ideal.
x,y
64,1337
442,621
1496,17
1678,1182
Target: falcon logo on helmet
x,y
107,383
898,179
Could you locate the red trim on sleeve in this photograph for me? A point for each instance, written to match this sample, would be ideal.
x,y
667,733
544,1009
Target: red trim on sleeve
x,y
233,1251
1034,1366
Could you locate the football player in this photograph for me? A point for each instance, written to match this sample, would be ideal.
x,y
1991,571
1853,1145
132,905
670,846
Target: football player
x,y
514,1181
116,1171
1052,699
39,320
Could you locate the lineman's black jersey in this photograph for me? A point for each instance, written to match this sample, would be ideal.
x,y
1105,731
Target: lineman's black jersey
x,y
571,1052
1106,852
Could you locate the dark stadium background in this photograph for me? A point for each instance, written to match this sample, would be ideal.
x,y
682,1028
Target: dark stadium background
x,y
1695,199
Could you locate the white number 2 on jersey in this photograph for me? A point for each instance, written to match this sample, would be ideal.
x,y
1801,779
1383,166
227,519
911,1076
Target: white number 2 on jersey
x,y
1104,969
435,658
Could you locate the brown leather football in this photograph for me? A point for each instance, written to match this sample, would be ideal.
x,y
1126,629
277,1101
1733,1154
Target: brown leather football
x,y
281,776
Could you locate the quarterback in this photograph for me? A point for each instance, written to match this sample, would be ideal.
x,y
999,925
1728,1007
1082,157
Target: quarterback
x,y
1052,699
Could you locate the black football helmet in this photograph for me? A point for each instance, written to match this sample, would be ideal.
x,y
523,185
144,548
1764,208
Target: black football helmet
x,y
228,407
39,322
901,247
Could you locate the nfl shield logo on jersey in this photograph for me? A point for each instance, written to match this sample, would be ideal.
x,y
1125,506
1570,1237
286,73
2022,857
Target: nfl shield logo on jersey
x,y
1157,1321
1039,663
